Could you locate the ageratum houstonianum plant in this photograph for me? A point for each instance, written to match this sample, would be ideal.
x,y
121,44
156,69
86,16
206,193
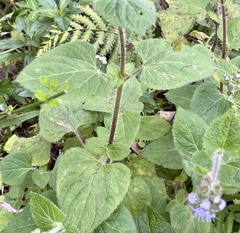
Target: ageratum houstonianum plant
x,y
100,110
207,202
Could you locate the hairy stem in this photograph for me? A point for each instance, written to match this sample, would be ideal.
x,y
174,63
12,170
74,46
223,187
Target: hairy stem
x,y
120,88
215,169
224,45
216,28
163,4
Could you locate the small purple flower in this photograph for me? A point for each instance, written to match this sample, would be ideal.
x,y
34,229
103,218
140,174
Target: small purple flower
x,y
222,205
192,198
217,199
203,215
205,204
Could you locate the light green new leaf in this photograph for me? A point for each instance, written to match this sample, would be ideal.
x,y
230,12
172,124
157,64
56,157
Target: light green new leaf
x,y
21,222
138,196
35,146
120,221
165,69
44,212
5,217
66,117
73,63
15,167
148,221
90,189
223,133
163,152
181,96
41,178
208,102
188,131
152,127
233,33
135,15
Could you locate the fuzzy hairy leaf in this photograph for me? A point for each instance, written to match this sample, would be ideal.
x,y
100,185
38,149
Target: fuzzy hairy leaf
x,y
188,131
223,133
15,167
114,224
165,69
66,117
35,146
183,221
138,196
22,222
135,15
44,213
74,63
148,221
208,102
152,127
89,188
163,152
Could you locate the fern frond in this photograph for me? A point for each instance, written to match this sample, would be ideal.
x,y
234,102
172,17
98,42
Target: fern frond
x,y
87,26
94,16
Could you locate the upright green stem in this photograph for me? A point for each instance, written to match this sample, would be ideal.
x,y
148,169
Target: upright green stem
x,y
224,45
120,88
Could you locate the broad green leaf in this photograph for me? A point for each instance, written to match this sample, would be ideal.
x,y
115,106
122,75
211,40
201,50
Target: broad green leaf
x,y
120,221
188,131
44,213
138,196
135,15
165,69
233,33
21,222
223,133
229,177
148,221
118,151
18,119
208,102
140,166
163,152
181,96
127,127
180,17
73,63
35,146
89,188
152,127
41,178
129,99
182,220
5,217
65,118
15,167
158,192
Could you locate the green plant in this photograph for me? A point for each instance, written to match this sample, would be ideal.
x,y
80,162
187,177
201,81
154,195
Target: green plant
x,y
98,184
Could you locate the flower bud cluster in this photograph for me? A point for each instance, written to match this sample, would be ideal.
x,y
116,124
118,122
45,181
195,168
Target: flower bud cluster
x,y
233,83
103,60
205,210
